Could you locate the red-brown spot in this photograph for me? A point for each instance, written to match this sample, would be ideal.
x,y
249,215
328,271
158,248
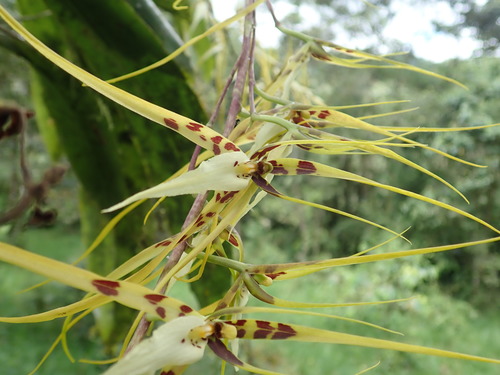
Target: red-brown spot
x,y
218,330
306,147
261,334
323,114
305,167
169,372
216,150
241,333
320,56
262,152
107,287
210,214
161,312
277,168
163,243
155,298
264,325
186,309
240,322
231,147
228,196
171,123
233,241
298,119
312,112
203,138
201,223
282,335
194,126
218,197
285,328
275,275
217,139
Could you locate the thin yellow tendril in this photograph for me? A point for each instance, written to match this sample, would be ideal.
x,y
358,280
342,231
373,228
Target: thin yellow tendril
x,y
368,369
178,51
176,5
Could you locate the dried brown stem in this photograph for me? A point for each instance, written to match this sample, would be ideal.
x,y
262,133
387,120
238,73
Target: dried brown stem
x,y
13,121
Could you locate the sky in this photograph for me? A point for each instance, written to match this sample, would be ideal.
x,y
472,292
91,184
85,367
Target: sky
x,y
412,25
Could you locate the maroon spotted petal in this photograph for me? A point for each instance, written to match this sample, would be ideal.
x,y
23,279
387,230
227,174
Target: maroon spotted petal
x,y
223,352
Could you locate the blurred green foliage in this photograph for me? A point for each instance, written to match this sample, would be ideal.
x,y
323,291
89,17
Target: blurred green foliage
x,y
469,274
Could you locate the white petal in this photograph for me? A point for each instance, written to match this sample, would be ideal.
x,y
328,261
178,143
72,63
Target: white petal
x,y
222,172
169,346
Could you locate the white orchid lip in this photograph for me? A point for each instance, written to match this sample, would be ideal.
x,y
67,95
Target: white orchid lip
x,y
172,344
224,172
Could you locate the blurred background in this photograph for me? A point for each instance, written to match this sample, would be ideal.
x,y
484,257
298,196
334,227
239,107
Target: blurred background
x,y
107,154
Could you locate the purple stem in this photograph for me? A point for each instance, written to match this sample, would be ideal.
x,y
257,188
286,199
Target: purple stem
x,y
215,113
244,67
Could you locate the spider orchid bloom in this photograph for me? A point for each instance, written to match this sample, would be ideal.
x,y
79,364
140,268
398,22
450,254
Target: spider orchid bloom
x,y
225,172
180,342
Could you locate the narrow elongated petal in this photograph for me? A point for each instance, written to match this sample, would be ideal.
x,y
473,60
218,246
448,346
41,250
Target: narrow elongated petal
x,y
198,133
289,166
171,345
268,188
360,60
292,270
267,330
127,293
224,172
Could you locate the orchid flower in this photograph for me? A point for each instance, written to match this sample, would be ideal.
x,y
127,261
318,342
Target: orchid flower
x,y
176,343
226,172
